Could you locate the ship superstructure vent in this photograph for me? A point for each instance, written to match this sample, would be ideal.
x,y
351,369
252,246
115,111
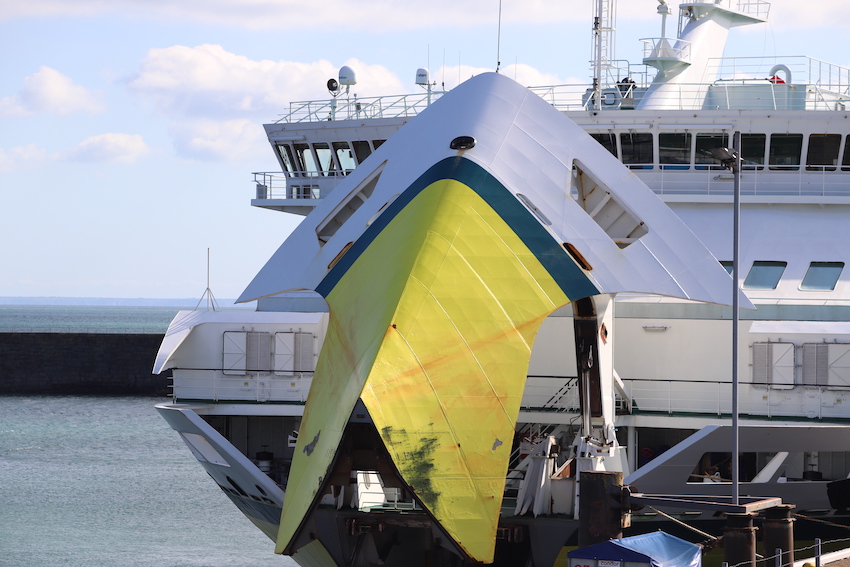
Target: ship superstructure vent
x,y
343,211
598,201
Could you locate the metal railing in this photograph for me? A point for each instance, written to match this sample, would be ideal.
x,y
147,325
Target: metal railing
x,y
755,399
253,386
391,106
666,48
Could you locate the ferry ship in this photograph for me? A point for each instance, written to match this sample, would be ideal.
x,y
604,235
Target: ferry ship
x,y
357,422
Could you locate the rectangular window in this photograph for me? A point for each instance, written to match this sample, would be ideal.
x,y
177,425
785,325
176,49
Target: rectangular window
x,y
608,141
286,158
344,157
326,162
674,147
306,161
822,276
822,154
637,150
785,151
752,150
765,275
705,143
362,150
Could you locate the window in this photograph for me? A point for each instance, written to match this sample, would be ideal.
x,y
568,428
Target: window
x,y
823,152
674,147
362,150
752,150
822,276
785,151
728,265
306,161
637,149
326,162
608,141
705,143
286,158
344,157
764,275
377,143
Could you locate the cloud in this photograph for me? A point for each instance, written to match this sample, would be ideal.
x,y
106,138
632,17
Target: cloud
x,y
110,148
523,74
208,81
49,91
210,140
22,158
328,14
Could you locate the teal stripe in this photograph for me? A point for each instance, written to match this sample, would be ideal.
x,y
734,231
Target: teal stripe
x,y
569,277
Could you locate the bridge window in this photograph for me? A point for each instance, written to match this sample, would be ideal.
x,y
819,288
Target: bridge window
x,y
608,141
705,143
785,151
362,149
765,275
822,276
823,152
728,265
326,162
752,150
344,157
286,158
377,143
305,160
637,150
674,147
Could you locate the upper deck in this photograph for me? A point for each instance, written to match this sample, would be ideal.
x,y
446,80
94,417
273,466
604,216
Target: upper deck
x,y
790,109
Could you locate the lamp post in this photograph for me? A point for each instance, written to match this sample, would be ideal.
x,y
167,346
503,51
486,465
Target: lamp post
x,y
731,160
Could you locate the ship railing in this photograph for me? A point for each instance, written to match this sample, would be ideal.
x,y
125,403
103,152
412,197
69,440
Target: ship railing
x,y
666,48
353,108
761,400
305,185
788,69
756,8
252,386
790,180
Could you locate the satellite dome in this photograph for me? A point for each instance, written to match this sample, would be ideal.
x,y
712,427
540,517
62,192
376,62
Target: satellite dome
x,y
347,77
423,77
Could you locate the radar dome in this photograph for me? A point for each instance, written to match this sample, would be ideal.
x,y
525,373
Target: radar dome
x,y
423,77
347,77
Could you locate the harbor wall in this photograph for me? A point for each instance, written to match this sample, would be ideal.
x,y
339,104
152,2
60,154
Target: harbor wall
x,y
80,363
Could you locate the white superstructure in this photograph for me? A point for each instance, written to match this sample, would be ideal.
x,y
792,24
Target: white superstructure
x,y
248,375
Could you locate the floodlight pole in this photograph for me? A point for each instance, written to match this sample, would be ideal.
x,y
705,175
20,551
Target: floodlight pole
x,y
736,246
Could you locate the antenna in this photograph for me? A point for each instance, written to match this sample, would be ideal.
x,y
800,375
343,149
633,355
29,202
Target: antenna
x,y
208,294
499,39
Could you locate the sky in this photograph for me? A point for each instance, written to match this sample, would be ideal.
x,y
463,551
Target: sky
x,y
129,129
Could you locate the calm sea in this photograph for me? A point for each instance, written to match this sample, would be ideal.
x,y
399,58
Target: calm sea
x,y
87,318
104,481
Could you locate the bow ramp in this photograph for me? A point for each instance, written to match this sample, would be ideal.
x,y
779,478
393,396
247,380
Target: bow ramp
x,y
439,257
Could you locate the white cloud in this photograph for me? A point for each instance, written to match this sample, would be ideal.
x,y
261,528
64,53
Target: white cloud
x,y
210,140
22,158
208,81
49,91
110,148
326,15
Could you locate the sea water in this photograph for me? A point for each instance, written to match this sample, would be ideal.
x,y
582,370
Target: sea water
x,y
90,481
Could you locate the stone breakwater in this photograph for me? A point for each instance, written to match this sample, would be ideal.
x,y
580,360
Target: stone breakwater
x,y
80,363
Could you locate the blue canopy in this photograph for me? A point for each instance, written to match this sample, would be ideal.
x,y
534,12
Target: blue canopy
x,y
657,549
